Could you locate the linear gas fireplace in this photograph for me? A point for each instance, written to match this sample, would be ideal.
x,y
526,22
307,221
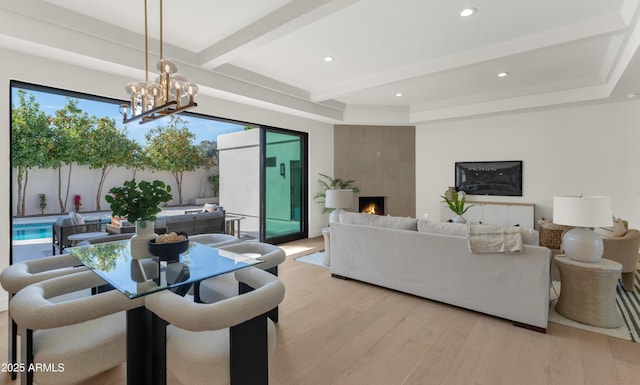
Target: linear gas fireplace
x,y
372,205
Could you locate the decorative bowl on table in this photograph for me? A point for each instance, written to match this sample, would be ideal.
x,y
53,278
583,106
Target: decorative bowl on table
x,y
168,247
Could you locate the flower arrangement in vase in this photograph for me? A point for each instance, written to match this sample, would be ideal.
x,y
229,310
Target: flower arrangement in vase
x,y
457,205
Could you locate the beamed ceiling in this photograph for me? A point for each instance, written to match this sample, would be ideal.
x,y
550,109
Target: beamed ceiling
x,y
270,53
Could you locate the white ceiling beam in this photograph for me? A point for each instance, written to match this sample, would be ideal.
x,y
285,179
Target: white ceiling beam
x,y
283,21
592,29
21,33
543,100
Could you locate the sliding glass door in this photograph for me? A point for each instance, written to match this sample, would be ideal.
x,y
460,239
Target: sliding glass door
x,y
284,185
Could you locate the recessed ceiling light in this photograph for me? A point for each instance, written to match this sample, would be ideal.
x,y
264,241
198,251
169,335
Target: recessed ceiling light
x,y
468,11
399,94
328,59
503,74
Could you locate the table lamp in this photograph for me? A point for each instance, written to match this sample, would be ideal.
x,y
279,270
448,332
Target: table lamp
x,y
338,199
582,243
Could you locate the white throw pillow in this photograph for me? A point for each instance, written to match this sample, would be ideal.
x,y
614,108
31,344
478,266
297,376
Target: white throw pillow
x,y
79,219
209,207
356,218
445,228
616,231
401,223
530,237
76,219
364,219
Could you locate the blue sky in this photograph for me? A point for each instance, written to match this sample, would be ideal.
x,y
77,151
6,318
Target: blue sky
x,y
204,129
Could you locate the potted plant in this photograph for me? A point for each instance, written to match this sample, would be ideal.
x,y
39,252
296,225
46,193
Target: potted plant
x,y
456,204
329,183
139,203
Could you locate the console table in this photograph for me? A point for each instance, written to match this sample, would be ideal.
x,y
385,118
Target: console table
x,y
495,213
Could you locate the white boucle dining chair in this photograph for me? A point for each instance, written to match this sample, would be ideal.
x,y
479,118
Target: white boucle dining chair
x,y
225,286
22,274
227,342
214,239
81,335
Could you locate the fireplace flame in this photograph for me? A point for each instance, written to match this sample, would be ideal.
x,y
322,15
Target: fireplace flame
x,y
371,209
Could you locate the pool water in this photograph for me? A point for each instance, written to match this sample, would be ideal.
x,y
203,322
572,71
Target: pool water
x,y
38,230
28,231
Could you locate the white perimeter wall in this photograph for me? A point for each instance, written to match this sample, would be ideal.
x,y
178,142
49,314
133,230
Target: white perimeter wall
x,y
592,150
23,67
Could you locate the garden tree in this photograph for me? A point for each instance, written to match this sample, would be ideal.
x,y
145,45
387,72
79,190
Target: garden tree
x,y
208,150
70,128
30,139
107,147
139,160
170,149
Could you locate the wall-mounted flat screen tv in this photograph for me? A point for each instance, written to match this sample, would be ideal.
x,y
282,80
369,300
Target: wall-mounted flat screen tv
x,y
490,178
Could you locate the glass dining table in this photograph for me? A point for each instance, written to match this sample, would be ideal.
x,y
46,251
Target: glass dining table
x,y
134,278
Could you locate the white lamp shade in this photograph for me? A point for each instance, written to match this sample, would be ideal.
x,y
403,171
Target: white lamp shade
x,y
581,243
339,199
594,211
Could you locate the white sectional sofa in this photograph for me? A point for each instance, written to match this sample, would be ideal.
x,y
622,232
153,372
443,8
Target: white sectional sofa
x,y
432,260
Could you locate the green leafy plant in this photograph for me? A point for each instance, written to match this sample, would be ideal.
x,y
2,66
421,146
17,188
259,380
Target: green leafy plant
x,y
43,202
138,201
214,181
457,201
329,183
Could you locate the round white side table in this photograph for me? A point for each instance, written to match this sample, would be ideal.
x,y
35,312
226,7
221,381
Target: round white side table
x,y
326,233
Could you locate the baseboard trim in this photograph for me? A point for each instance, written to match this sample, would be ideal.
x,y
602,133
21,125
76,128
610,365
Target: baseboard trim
x,y
530,327
339,276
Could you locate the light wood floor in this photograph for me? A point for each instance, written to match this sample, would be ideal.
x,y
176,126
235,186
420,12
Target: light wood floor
x,y
345,332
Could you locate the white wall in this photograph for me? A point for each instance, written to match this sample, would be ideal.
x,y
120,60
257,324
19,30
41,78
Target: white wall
x,y
23,67
582,149
240,172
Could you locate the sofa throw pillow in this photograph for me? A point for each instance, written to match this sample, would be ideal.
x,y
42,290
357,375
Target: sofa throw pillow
x,y
356,218
616,231
388,221
446,228
209,207
77,219
530,237
401,223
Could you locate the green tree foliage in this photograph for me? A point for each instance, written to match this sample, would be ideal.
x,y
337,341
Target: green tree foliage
x,y
31,140
208,150
70,130
107,147
170,149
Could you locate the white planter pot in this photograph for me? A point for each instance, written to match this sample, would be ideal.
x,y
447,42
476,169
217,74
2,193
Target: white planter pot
x,y
459,219
144,233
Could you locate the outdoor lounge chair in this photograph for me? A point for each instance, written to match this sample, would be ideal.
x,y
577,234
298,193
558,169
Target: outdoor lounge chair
x,y
66,226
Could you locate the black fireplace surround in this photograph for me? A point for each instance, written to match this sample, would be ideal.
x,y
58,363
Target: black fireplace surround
x,y
372,205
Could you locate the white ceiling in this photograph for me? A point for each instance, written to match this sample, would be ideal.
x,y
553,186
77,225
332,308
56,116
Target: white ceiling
x,y
270,52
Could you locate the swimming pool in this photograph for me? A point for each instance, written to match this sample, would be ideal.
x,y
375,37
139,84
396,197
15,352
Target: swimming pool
x,y
37,230
28,231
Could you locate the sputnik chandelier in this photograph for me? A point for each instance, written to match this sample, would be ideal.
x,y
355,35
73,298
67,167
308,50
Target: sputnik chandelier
x,y
169,94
